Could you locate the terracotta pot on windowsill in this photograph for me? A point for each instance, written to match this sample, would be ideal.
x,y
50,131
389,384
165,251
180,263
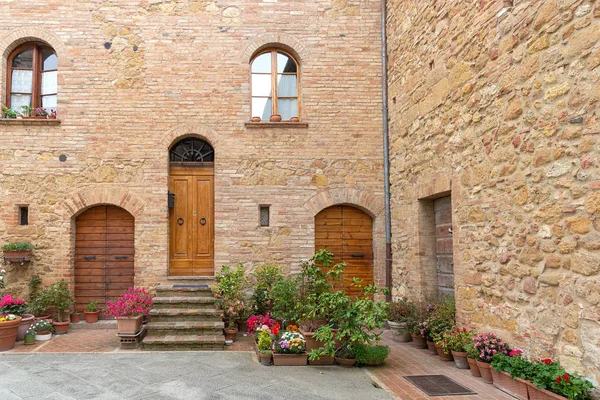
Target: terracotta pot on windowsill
x,y
255,119
275,118
294,119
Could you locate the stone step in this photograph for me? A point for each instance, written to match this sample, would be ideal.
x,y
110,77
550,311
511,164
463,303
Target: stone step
x,y
183,290
189,342
186,328
183,302
185,314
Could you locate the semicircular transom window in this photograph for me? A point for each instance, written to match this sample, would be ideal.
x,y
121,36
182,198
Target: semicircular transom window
x,y
275,88
192,150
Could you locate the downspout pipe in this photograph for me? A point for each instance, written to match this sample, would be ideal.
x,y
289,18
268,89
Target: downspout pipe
x,y
386,152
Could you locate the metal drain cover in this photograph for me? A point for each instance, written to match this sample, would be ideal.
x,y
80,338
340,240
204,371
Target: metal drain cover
x,y
438,385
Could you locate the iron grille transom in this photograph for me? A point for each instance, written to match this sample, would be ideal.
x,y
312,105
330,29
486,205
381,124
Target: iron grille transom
x,y
192,150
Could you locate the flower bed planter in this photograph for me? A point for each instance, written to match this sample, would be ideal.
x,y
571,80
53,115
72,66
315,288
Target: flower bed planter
x,y
290,360
8,333
514,387
129,325
443,356
345,362
312,343
419,341
400,331
26,321
61,328
486,371
536,393
17,256
474,367
460,359
431,347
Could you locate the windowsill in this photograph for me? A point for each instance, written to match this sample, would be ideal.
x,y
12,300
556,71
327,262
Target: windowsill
x,y
269,124
27,121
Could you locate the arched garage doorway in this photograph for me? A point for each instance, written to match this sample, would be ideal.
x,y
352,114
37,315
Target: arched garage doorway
x,y
104,255
347,232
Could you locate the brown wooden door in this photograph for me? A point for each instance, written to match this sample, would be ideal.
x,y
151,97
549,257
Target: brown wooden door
x,y
104,255
191,222
348,233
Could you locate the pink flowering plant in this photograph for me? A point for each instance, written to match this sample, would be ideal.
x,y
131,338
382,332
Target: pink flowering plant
x,y
488,345
458,340
233,309
257,323
134,302
12,305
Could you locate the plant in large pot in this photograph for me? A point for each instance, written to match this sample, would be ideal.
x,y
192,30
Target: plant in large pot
x,y
488,344
228,289
418,332
18,307
289,349
9,327
129,309
441,321
401,315
458,342
17,252
59,297
510,371
550,381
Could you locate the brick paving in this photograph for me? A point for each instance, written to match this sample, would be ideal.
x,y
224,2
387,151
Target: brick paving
x,y
76,341
405,360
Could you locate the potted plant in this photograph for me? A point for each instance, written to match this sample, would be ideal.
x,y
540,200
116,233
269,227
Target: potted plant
x,y
418,331
371,355
91,315
29,337
18,307
17,252
52,114
255,119
43,329
75,317
275,118
9,327
228,288
488,344
9,113
472,356
508,371
26,111
40,113
129,310
265,344
400,314
547,380
441,321
38,304
458,342
345,356
258,323
60,298
442,347
290,350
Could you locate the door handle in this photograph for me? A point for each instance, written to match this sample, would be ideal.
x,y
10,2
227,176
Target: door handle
x,y
121,257
89,257
358,255
202,221
180,221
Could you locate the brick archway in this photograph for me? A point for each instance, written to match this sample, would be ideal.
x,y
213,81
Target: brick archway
x,y
82,200
367,202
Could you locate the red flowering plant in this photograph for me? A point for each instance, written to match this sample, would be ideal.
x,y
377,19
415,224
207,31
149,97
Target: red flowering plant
x,y
549,375
12,305
489,344
134,302
458,340
256,323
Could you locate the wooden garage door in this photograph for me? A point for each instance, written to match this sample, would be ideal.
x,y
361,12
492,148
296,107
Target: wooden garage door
x,y
348,233
103,255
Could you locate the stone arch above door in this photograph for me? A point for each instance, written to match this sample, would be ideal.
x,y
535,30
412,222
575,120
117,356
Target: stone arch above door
x,y
371,204
84,199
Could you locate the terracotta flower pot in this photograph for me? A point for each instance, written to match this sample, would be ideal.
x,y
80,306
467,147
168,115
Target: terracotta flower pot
x,y
460,359
400,331
291,360
431,347
443,356
474,368
230,334
61,328
275,118
75,318
129,325
36,319
91,316
419,341
506,383
8,333
294,119
345,362
312,343
26,321
17,256
243,327
486,371
265,359
536,393
255,119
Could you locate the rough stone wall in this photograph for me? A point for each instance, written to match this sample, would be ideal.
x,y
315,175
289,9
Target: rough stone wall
x,y
502,111
180,68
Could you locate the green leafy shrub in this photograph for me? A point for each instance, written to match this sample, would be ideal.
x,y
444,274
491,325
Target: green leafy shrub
x,y
371,355
401,311
17,247
286,304
58,296
265,342
92,306
264,278
228,288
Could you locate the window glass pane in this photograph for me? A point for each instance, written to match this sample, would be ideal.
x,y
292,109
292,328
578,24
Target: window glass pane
x,y
49,60
287,85
24,59
262,63
287,108
264,216
19,100
49,103
285,63
262,107
49,82
21,81
261,85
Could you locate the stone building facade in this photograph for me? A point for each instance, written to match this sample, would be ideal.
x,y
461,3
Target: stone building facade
x,y
135,77
495,104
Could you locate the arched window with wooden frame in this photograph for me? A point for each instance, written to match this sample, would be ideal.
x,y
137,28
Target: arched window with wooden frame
x,y
275,85
32,77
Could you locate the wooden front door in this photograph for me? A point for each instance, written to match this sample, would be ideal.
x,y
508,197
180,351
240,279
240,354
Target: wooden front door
x,y
104,255
191,222
348,233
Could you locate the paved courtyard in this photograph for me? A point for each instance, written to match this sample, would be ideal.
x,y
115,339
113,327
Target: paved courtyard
x,y
174,375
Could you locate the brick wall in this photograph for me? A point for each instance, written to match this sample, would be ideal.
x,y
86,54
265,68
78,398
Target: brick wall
x,y
180,68
501,110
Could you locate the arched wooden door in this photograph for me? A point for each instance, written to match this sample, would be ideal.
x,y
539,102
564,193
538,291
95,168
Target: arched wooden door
x,y
104,252
347,232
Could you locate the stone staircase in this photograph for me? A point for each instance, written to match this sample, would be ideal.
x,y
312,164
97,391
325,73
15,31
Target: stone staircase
x,y
184,318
